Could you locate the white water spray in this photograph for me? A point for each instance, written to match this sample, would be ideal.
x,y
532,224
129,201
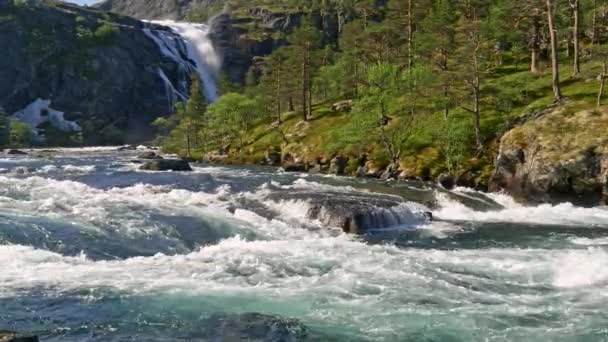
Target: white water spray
x,y
194,52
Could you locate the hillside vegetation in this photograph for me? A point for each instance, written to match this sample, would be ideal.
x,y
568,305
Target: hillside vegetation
x,y
418,88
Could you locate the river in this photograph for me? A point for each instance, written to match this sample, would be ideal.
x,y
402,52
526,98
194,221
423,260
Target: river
x,y
94,250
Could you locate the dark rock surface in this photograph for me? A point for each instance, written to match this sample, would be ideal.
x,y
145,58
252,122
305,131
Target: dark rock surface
x,y
357,213
10,336
166,165
16,152
149,155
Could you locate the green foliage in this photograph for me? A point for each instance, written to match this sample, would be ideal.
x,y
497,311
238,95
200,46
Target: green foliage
x,y
20,134
432,83
231,117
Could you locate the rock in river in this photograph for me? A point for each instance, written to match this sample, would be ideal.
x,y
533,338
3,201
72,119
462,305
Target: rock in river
x,y
166,165
149,155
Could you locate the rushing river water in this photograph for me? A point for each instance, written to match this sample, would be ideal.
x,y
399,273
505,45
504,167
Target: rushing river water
x,y
93,250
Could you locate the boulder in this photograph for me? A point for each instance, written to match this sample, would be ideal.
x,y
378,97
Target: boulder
x,y
15,152
342,106
447,181
273,158
338,165
361,171
358,213
546,160
149,155
126,148
391,172
294,167
166,165
10,336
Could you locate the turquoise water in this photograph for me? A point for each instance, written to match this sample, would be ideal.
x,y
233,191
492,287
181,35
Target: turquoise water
x,y
93,250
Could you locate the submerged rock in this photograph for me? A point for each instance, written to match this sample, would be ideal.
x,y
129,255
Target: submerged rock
x,y
166,165
294,167
447,181
10,336
149,155
15,152
253,327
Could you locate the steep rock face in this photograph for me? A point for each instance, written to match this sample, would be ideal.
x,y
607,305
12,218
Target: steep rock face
x,y
157,9
101,70
537,162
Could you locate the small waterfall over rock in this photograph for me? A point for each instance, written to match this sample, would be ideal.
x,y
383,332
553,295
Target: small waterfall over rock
x,y
188,44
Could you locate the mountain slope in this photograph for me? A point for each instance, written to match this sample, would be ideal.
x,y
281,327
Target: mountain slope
x,y
157,9
100,69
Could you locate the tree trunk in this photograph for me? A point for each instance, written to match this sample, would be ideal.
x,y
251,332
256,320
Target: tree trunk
x,y
304,92
535,44
557,93
278,96
575,26
476,95
410,37
602,77
594,32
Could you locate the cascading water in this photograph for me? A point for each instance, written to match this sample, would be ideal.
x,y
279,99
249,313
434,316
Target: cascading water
x,y
187,44
93,249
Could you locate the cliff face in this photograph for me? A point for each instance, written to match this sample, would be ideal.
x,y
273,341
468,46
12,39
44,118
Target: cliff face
x,y
101,70
158,9
556,157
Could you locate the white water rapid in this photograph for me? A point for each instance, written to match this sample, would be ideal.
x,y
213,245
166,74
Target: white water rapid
x,y
194,53
94,249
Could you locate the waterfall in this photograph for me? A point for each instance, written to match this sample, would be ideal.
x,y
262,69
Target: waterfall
x,y
188,44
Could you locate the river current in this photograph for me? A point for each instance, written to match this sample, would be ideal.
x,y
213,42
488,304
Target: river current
x,y
91,249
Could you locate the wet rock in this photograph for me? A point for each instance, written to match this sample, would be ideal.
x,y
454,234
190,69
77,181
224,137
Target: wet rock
x,y
358,213
447,181
338,165
23,170
10,336
253,327
391,172
354,212
15,152
166,165
149,155
126,148
361,172
273,158
294,167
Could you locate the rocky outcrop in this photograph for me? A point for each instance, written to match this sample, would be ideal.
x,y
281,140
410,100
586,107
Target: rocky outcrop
x,y
166,165
15,152
357,214
100,70
537,162
160,9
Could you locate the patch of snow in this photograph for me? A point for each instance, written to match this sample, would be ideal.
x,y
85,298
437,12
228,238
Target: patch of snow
x,y
39,112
